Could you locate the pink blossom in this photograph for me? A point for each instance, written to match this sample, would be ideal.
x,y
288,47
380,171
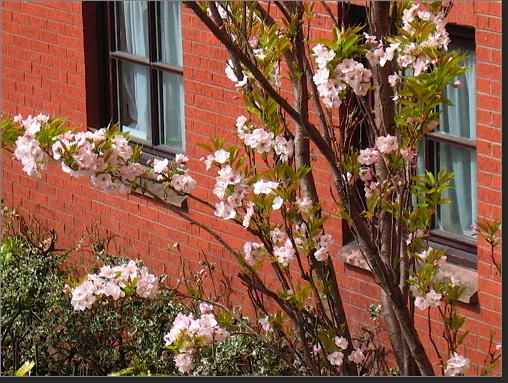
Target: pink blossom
x,y
317,349
147,284
370,188
221,156
357,356
160,166
321,76
368,156
228,175
265,187
321,254
241,129
370,39
431,299
456,365
224,211
277,235
304,204
277,203
283,148
220,188
285,254
184,362
205,307
260,139
236,198
265,324
83,296
387,144
31,155
323,55
102,181
365,173
408,154
393,79
252,251
335,358
114,291
181,158
183,182
441,261
341,342
208,160
191,333
248,214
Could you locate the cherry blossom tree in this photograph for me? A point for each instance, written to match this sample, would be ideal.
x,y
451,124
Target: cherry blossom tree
x,y
387,79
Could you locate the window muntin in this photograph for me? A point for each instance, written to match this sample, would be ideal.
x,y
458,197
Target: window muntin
x,y
147,60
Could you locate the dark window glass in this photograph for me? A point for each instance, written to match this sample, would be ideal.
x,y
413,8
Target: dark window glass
x,y
147,73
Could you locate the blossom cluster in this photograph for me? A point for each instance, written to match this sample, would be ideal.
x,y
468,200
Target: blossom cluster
x,y
28,149
368,157
283,248
174,173
104,155
412,52
425,294
189,333
94,155
336,357
348,72
231,187
115,282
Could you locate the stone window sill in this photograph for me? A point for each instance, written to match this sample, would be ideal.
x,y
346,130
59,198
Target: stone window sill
x,y
350,254
171,197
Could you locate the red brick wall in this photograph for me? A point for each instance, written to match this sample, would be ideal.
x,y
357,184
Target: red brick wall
x,y
50,64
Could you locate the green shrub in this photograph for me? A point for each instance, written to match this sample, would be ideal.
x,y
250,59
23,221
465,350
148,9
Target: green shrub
x,y
40,328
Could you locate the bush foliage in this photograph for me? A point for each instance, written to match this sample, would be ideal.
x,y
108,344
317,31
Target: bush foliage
x,y
125,337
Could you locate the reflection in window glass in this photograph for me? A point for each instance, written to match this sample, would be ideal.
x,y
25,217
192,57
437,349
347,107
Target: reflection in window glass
x,y
172,110
170,33
459,216
132,30
134,99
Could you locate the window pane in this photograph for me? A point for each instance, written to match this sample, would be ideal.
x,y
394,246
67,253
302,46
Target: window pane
x,y
458,216
170,33
172,114
460,119
132,24
134,99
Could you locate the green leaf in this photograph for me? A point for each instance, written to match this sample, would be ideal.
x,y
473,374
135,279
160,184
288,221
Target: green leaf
x,y
24,369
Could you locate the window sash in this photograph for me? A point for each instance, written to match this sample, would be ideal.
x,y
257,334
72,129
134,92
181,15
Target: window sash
x,y
149,81
453,147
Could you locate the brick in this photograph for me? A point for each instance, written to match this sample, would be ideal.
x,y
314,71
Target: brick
x,y
488,7
488,39
482,22
495,24
489,164
489,71
489,102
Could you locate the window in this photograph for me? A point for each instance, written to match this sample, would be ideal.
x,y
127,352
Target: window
x,y
452,146
146,67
